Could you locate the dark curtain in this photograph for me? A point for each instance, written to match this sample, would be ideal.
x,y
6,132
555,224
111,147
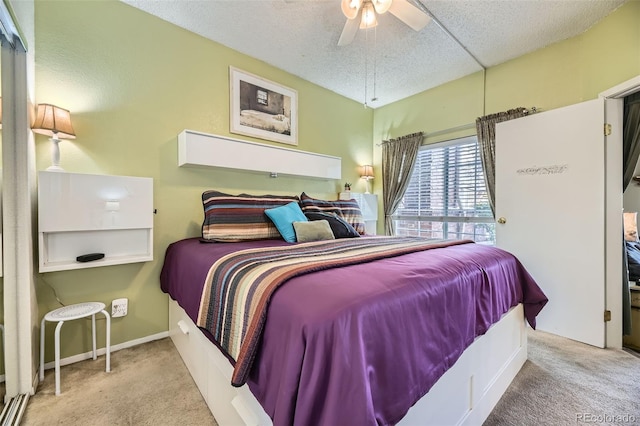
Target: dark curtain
x,y
631,152
398,158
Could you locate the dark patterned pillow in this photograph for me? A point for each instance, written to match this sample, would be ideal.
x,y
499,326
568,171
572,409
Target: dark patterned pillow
x,y
349,210
240,217
339,227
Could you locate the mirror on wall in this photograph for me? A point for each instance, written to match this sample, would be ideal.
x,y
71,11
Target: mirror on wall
x,y
13,75
2,364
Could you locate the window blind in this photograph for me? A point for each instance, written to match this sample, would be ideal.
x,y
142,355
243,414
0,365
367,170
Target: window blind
x,y
446,196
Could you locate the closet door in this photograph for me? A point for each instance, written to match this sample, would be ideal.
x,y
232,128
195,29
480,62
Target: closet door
x,y
550,206
18,192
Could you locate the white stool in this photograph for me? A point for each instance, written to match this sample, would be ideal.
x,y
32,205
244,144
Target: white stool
x,y
68,313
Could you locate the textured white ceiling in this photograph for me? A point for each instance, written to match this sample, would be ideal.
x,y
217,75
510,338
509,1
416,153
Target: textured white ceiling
x,y
301,36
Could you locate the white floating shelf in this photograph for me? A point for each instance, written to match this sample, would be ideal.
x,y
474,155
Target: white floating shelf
x,y
203,149
83,213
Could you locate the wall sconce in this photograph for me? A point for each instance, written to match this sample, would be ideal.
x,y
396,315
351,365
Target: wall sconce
x,y
55,122
367,174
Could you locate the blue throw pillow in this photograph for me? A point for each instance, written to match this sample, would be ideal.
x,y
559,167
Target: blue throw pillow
x,y
283,217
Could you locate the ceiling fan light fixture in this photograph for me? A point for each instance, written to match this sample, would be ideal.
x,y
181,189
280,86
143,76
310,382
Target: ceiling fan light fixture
x,y
381,6
369,19
350,8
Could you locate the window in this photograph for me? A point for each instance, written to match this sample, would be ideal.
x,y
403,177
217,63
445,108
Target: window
x,y
263,98
447,197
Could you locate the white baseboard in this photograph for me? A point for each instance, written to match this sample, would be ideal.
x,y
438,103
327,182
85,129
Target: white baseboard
x,y
101,351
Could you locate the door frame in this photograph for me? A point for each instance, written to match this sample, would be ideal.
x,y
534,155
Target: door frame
x,y
613,98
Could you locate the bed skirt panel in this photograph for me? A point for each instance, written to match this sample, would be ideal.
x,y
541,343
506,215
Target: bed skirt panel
x,y
468,391
464,395
211,371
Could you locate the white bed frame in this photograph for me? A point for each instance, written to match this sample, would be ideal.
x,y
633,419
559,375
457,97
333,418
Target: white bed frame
x,y
464,395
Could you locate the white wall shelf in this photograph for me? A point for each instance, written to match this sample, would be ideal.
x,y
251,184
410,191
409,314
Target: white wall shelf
x,y
82,213
203,149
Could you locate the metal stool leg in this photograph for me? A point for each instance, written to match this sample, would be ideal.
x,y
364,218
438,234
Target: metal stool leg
x,y
108,343
57,354
93,335
42,349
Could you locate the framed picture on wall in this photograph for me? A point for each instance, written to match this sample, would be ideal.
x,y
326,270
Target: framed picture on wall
x,y
262,109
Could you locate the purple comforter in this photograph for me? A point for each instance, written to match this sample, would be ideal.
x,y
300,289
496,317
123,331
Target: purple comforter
x,y
361,344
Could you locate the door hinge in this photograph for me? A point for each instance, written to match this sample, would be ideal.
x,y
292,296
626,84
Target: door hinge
x,y
607,316
607,129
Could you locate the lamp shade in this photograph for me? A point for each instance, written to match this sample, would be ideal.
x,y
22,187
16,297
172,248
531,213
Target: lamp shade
x,y
367,172
53,121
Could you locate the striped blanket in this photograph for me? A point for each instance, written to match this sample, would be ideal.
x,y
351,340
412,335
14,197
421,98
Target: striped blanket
x,y
238,287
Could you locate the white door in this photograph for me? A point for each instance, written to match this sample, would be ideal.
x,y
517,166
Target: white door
x,y
550,190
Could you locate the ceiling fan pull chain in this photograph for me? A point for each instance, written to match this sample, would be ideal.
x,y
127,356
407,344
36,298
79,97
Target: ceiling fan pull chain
x,y
366,64
375,62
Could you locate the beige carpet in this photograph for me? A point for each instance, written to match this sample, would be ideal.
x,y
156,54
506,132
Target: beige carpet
x,y
149,385
566,383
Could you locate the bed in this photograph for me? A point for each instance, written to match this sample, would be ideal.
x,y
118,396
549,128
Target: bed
x,y
278,123
431,336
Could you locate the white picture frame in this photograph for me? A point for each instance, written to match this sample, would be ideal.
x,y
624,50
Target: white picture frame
x,y
262,108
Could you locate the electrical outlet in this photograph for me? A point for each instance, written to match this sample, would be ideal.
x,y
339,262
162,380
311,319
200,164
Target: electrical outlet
x,y
119,307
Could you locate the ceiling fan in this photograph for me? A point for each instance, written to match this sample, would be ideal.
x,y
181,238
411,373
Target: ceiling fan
x,y
362,14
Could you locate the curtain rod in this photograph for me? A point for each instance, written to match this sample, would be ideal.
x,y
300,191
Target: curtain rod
x,y
527,111
467,126
451,130
445,131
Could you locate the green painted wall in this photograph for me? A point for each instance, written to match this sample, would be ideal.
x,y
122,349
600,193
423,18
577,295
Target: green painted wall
x,y
562,74
132,83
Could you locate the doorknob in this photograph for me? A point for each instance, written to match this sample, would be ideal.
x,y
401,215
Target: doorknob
x,y
502,220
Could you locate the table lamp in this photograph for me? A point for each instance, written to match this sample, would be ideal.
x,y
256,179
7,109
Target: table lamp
x,y
55,122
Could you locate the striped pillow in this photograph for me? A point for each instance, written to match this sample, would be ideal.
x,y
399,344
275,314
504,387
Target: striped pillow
x,y
349,210
229,218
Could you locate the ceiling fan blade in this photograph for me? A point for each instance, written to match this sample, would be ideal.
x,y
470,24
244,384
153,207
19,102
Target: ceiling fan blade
x,y
349,31
409,14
